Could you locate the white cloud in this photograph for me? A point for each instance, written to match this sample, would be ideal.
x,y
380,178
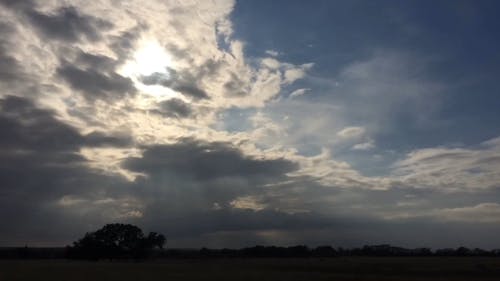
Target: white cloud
x,y
364,146
294,73
452,169
271,63
272,53
299,92
247,202
351,132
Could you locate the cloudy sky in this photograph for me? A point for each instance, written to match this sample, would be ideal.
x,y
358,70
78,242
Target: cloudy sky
x,y
230,124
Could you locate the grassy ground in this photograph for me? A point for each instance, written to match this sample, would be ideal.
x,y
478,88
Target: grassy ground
x,y
355,268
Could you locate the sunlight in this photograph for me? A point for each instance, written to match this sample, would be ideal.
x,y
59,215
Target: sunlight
x,y
149,58
152,58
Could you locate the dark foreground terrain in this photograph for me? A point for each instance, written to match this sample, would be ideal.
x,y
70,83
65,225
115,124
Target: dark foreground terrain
x,y
342,268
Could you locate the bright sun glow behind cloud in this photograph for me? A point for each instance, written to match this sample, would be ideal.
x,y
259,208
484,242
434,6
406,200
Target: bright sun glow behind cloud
x,y
149,58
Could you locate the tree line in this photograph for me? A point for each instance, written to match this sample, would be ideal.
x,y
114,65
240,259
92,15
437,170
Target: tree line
x,y
125,241
299,251
384,250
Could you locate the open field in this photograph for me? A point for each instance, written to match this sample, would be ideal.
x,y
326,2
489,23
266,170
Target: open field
x,y
345,268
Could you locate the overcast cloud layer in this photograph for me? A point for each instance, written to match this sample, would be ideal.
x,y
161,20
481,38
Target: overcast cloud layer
x,y
226,124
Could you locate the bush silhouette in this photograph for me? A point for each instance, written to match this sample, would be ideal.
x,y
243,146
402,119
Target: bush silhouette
x,y
115,241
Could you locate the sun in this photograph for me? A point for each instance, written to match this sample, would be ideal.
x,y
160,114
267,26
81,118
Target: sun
x,y
149,58
152,58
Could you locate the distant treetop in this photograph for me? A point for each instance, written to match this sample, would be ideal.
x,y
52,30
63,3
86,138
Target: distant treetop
x,y
114,241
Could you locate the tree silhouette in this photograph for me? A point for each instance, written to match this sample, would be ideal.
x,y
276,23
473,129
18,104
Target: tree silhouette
x,y
116,241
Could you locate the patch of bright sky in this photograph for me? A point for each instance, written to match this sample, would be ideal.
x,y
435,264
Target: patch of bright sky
x,y
235,120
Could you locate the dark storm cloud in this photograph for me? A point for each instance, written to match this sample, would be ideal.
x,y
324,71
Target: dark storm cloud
x,y
67,24
24,125
198,223
39,164
35,143
28,128
94,83
190,176
175,108
183,82
207,161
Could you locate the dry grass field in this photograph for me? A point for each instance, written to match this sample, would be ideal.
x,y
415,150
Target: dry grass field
x,y
346,268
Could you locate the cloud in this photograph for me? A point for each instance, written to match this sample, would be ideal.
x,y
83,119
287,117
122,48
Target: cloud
x,y
68,24
271,63
184,83
94,83
11,72
243,220
482,213
96,62
40,164
388,85
388,92
104,139
207,161
184,180
247,202
293,74
175,108
351,132
113,208
17,4
364,146
272,53
235,86
452,169
34,129
84,143
299,92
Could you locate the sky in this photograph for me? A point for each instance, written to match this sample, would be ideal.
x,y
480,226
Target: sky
x,y
235,123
